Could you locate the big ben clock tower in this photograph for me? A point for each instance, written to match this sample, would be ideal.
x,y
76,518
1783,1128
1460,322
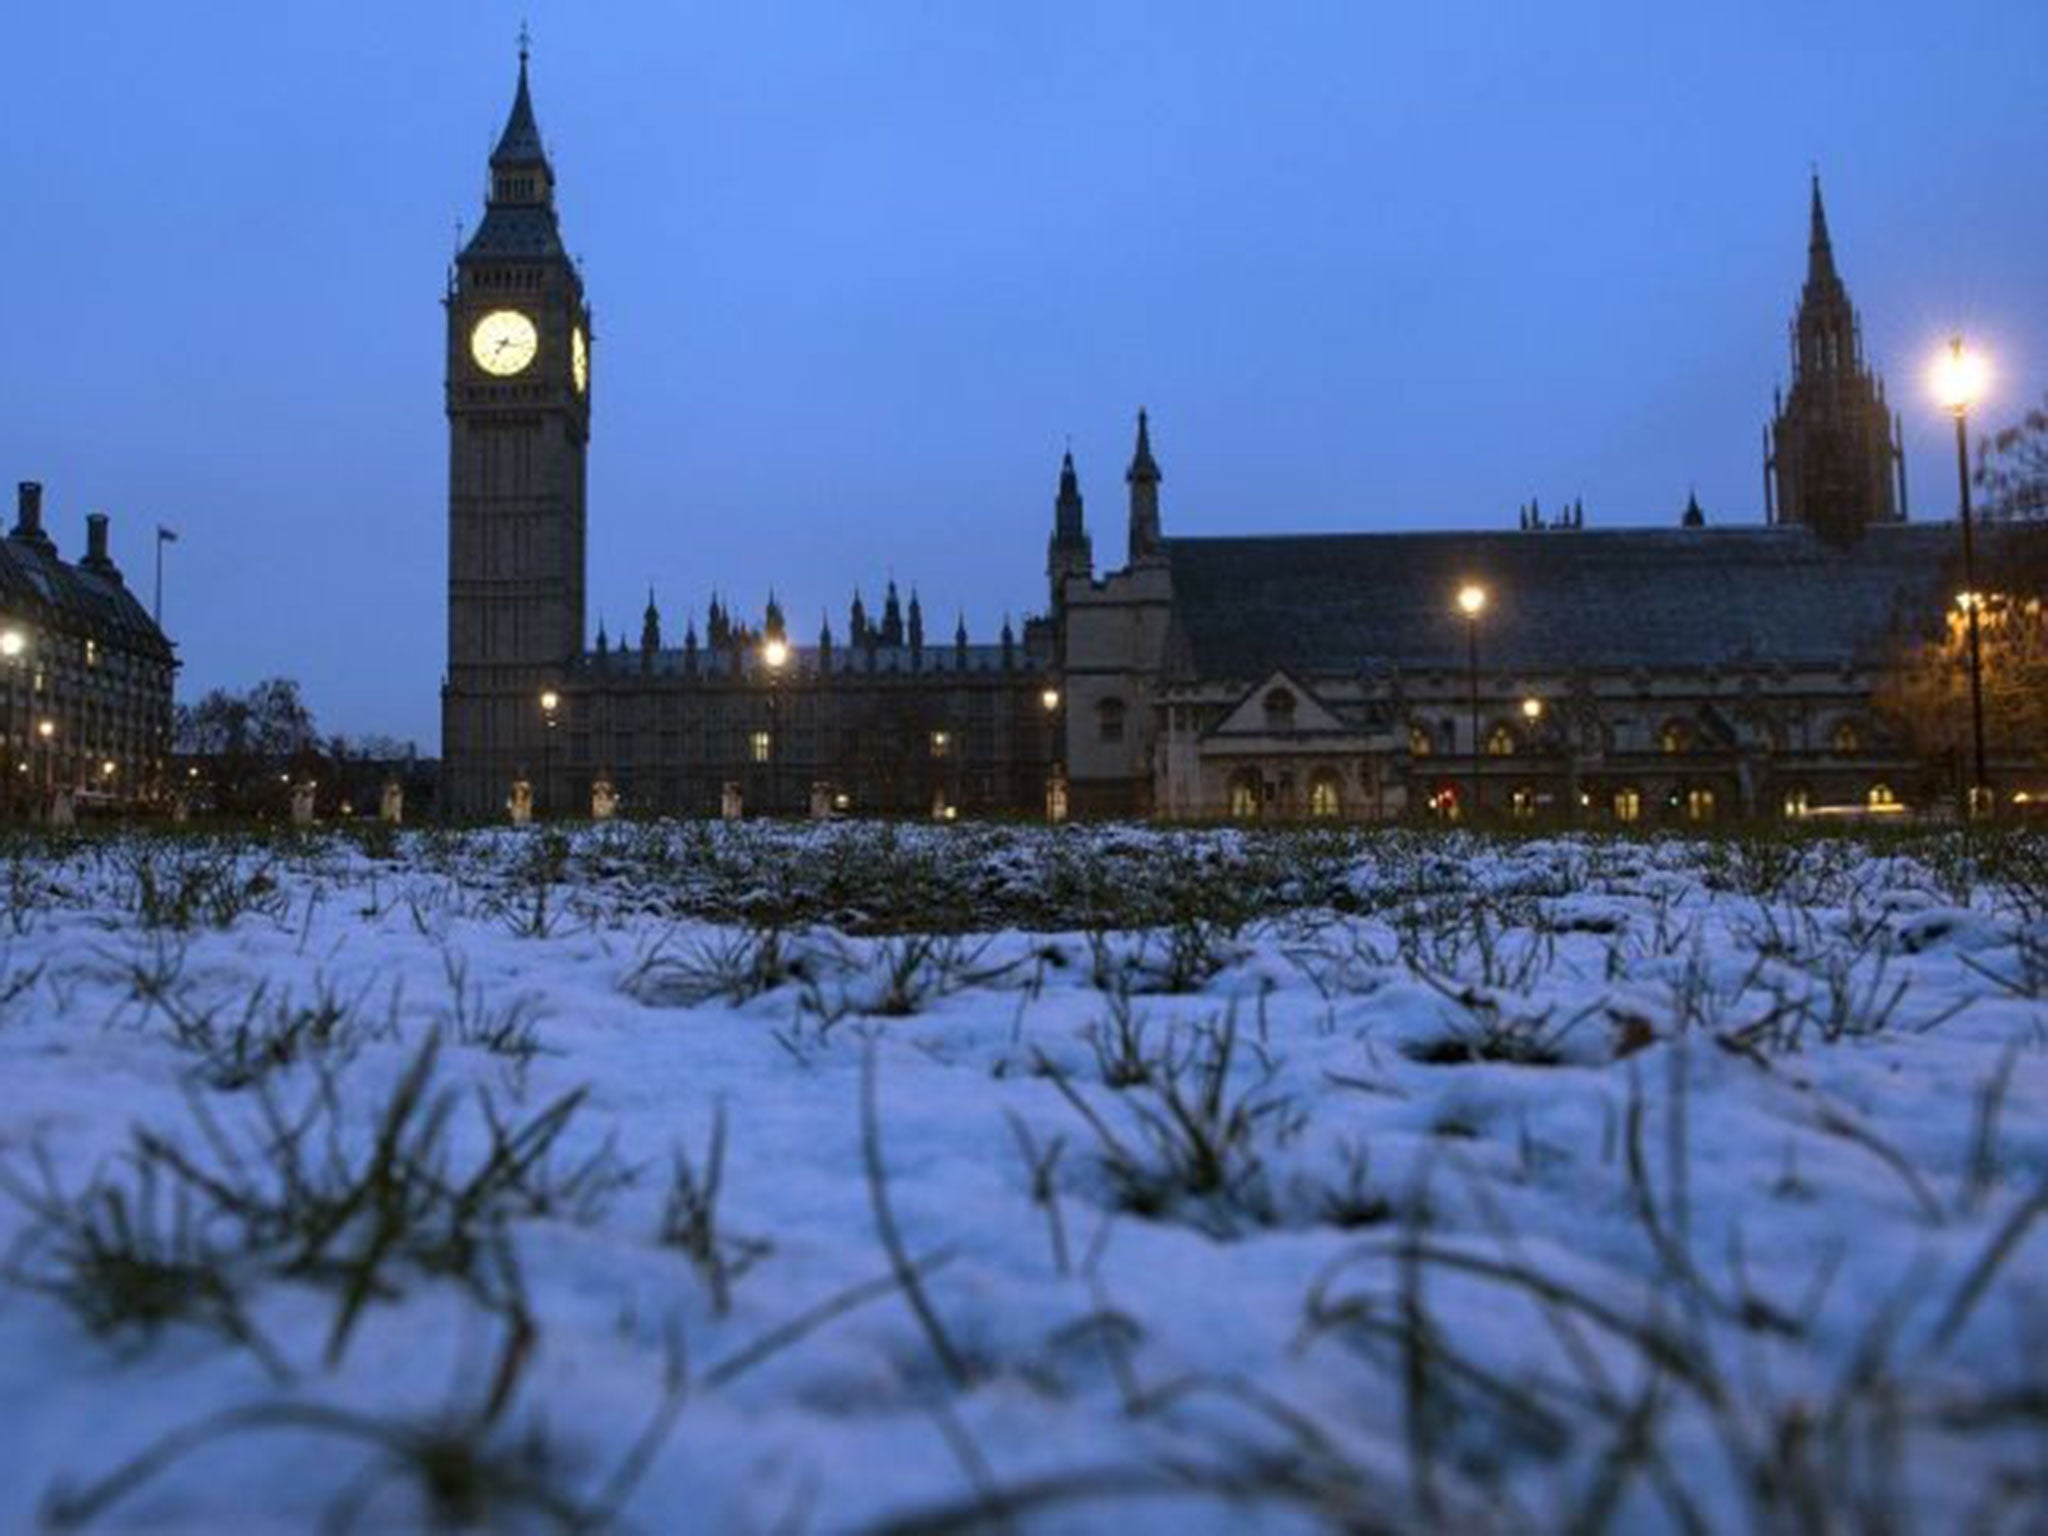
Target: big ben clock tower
x,y
518,397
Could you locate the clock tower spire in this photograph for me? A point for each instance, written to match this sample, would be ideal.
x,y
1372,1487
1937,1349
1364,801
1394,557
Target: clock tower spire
x,y
518,405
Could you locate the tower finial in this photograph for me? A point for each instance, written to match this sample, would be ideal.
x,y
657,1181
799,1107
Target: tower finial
x,y
525,43
1820,251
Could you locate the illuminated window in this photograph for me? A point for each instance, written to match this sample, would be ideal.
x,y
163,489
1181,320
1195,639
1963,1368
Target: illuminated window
x,y
1699,805
1628,805
1676,737
1797,802
1324,798
1522,804
942,743
1881,798
1418,742
92,653
1244,795
1847,740
761,746
1444,803
1500,742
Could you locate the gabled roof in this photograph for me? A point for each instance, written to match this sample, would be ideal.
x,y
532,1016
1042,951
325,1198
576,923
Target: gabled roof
x,y
1311,716
1686,598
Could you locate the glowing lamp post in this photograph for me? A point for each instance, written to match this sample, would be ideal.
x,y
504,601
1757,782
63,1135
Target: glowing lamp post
x,y
550,715
775,656
1472,603
1056,779
1960,377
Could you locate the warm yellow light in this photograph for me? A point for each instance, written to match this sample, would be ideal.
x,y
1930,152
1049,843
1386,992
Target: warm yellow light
x,y
1960,377
107,769
1471,599
504,343
12,642
191,773
46,729
1050,698
1968,600
776,654
550,700
1532,708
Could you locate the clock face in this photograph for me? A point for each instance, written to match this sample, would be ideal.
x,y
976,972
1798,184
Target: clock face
x,y
504,343
579,360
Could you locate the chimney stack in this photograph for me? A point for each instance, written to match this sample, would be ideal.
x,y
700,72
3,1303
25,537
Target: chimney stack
x,y
28,522
97,560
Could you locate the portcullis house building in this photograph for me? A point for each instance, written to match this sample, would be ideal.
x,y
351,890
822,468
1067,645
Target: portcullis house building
x,y
1682,672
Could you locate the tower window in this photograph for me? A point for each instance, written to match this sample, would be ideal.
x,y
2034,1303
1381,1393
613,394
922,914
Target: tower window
x,y
1109,720
760,746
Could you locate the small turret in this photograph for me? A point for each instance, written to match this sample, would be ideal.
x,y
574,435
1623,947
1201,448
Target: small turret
x,y
1069,552
650,627
916,630
892,617
857,622
1143,478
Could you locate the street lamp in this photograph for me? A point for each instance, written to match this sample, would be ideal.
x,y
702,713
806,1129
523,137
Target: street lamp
x,y
550,704
46,730
1055,782
775,654
1960,376
12,643
1472,603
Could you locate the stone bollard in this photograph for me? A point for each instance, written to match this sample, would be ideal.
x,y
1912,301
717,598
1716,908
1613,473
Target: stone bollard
x,y
62,812
521,804
302,805
391,804
730,805
604,801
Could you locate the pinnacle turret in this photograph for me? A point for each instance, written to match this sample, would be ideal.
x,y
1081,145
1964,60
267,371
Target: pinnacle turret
x,y
1143,477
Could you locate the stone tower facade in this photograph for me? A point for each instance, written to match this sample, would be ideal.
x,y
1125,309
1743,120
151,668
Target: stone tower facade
x,y
518,402
1832,457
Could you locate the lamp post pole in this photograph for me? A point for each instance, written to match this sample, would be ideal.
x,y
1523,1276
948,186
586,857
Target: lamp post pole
x,y
775,653
1980,788
1472,603
1959,378
550,703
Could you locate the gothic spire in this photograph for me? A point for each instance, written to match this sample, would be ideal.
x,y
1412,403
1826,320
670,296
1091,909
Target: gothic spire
x,y
1143,477
1144,468
519,144
1068,527
1820,251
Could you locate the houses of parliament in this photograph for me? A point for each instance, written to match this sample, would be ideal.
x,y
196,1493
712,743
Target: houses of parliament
x,y
1683,672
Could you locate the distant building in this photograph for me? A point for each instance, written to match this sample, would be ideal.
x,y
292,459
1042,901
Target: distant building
x,y
85,675
1688,672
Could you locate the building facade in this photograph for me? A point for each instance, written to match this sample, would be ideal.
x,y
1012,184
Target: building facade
x,y
85,676
1682,672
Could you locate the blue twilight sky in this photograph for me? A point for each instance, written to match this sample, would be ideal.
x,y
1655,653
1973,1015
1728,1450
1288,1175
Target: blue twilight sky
x,y
862,269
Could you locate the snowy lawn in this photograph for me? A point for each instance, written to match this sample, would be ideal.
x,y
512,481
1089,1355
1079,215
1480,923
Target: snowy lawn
x,y
851,1178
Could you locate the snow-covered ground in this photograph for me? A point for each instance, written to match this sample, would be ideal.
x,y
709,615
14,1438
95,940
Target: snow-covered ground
x,y
744,1178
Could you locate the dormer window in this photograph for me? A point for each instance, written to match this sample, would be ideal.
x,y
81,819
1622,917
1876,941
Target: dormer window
x,y
1279,704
